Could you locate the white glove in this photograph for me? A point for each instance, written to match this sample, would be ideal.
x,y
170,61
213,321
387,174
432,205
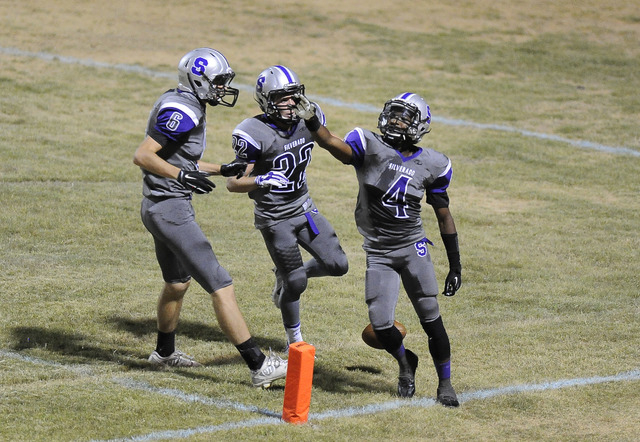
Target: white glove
x,y
304,109
272,178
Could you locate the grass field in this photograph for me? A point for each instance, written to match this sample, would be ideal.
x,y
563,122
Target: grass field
x,y
535,102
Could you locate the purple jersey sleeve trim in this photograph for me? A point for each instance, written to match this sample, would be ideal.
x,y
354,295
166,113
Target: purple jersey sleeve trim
x,y
245,147
175,120
355,139
442,182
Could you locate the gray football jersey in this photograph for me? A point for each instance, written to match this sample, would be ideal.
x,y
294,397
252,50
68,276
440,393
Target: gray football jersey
x,y
178,123
259,142
391,188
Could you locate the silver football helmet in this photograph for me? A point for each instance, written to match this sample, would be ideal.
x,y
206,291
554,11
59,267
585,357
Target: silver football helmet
x,y
206,73
405,118
274,83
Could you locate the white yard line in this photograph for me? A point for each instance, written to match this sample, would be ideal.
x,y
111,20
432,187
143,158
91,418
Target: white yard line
x,y
270,417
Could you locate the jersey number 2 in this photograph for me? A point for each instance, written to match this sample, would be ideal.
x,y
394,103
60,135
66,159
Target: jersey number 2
x,y
293,168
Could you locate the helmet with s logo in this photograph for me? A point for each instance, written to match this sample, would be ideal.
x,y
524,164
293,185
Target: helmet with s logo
x,y
206,73
273,84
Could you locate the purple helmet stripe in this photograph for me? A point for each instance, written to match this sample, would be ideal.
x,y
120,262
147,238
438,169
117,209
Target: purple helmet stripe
x,y
406,95
286,72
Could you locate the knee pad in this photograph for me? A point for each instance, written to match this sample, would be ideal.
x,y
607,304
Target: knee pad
x,y
428,309
339,266
295,283
335,265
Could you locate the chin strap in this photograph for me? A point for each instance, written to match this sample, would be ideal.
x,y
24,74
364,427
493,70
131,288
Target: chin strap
x,y
400,143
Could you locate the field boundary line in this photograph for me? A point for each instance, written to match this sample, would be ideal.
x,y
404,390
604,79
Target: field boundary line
x,y
273,418
633,375
618,150
132,384
192,397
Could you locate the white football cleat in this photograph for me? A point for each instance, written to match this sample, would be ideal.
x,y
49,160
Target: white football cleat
x,y
273,368
175,359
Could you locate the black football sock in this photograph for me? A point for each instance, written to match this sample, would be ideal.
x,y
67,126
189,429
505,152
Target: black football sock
x,y
439,345
391,339
166,343
251,354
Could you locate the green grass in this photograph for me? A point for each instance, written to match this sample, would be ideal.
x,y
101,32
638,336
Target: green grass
x,y
548,231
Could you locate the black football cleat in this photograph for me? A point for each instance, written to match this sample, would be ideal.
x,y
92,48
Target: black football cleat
x,y
407,377
446,395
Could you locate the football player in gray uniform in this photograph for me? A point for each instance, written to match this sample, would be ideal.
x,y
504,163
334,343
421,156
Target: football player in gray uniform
x,y
172,170
278,147
394,174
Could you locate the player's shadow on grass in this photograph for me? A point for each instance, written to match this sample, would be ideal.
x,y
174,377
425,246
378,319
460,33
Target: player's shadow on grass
x,y
79,348
190,329
76,347
353,381
358,377
147,327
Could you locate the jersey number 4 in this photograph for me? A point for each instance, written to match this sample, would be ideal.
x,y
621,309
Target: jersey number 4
x,y
395,197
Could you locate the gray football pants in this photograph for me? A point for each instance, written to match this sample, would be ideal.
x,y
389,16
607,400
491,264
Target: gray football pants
x,y
182,249
283,240
385,269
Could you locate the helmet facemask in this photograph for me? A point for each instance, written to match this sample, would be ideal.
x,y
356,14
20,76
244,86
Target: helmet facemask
x,y
402,121
219,87
282,110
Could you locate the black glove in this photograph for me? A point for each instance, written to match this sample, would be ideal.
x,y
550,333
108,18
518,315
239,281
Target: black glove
x,y
454,278
235,167
196,181
453,282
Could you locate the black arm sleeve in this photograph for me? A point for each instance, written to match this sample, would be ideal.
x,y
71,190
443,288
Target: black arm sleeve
x,y
313,123
450,241
438,200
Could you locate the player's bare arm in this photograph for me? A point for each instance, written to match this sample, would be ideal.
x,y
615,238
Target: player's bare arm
x,y
210,168
234,168
146,156
445,220
325,139
242,184
335,145
246,183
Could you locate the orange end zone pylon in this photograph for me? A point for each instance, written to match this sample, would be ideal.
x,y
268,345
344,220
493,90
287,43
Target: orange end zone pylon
x,y
297,387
